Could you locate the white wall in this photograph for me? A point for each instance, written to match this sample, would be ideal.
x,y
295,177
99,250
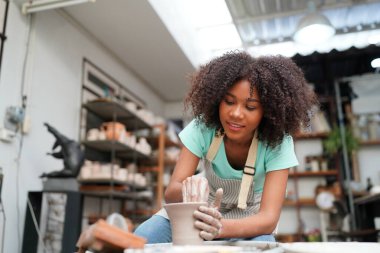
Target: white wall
x,y
53,84
174,110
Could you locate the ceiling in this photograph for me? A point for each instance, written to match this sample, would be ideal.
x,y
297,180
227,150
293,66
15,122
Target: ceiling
x,y
135,33
264,22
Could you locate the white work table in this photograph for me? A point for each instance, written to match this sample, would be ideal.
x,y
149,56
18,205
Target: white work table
x,y
262,247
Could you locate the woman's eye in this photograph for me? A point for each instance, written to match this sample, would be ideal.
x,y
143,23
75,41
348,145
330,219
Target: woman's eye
x,y
251,108
228,102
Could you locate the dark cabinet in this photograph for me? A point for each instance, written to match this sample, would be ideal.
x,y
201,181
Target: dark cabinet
x,y
52,222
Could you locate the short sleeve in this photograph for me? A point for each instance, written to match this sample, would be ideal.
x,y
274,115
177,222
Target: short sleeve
x,y
281,157
196,138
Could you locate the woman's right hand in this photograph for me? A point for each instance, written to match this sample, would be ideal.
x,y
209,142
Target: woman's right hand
x,y
195,189
209,218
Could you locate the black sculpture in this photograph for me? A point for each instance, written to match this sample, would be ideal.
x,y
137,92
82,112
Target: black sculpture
x,y
71,153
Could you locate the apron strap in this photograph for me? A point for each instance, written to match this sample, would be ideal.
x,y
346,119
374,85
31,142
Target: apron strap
x,y
213,149
248,173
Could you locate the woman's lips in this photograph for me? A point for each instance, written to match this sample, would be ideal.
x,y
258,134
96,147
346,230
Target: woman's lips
x,y
234,127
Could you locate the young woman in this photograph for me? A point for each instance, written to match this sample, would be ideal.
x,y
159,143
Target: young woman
x,y
245,112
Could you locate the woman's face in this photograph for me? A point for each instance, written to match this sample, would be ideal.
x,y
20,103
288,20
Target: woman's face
x,y
240,113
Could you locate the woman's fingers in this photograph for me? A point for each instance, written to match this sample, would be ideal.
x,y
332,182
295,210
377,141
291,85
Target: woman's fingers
x,y
203,190
208,221
206,227
195,189
211,211
207,232
207,236
184,192
211,217
218,198
188,189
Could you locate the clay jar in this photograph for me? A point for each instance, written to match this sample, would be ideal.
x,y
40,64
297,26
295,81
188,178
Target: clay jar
x,y
113,130
182,222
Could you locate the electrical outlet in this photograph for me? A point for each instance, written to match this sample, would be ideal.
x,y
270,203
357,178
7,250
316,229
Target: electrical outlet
x,y
6,135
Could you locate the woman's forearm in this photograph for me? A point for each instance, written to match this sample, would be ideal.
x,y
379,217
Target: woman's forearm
x,y
185,167
249,227
173,193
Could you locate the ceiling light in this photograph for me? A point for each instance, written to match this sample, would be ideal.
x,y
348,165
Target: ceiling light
x,y
42,5
375,63
313,28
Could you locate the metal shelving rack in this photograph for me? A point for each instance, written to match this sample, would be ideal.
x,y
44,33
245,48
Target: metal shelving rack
x,y
109,110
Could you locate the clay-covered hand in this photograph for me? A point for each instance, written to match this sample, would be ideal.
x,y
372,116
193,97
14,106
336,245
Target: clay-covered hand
x,y
195,189
208,218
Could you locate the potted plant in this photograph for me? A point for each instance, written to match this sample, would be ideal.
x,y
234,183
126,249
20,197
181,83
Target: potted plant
x,y
333,143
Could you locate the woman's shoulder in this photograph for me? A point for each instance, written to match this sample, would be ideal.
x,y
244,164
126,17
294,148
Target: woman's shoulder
x,y
281,156
197,126
284,145
197,136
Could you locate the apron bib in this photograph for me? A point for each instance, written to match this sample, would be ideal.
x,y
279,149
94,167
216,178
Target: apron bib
x,y
239,200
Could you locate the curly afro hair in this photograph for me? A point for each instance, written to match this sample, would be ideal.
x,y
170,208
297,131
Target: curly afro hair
x,y
286,97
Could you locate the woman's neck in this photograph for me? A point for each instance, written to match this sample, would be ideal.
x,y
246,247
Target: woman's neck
x,y
241,144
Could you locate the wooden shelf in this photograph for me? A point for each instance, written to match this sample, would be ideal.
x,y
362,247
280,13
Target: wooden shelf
x,y
314,173
369,143
300,202
154,161
320,135
147,168
301,136
122,150
108,109
153,140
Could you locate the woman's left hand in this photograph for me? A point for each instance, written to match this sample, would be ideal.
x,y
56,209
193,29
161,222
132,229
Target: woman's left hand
x,y
209,218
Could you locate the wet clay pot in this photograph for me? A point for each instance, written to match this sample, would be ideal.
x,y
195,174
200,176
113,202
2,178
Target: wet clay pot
x,y
182,222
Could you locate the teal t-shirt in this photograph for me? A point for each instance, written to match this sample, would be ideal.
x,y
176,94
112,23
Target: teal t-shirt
x,y
197,138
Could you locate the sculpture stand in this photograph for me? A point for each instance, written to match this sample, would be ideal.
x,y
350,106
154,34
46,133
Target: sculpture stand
x,y
182,222
60,184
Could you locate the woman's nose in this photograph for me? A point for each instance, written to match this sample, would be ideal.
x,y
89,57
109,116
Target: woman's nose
x,y
236,111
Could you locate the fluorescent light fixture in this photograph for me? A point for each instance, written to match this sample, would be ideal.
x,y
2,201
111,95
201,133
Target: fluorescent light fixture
x,y
375,63
42,5
314,28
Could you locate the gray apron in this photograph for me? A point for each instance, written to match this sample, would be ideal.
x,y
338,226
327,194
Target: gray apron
x,y
238,200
